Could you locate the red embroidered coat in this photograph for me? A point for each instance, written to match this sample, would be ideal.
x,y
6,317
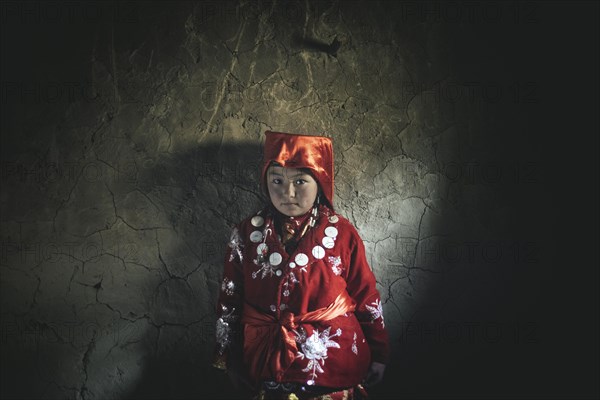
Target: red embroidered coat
x,y
328,260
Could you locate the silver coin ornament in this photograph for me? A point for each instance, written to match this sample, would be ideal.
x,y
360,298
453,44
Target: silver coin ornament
x,y
333,219
275,259
318,252
257,221
328,242
262,248
331,231
256,236
301,259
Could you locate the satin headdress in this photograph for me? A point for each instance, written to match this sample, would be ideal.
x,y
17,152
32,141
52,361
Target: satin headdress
x,y
301,151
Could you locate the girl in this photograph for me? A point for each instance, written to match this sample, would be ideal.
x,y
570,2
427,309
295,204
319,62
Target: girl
x,y
299,315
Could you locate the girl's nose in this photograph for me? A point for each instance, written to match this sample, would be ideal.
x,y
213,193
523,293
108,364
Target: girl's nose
x,y
290,190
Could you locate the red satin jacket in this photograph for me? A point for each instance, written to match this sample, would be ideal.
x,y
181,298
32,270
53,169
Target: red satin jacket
x,y
329,260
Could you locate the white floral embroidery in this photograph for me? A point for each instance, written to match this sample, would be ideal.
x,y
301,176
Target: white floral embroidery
x,y
265,268
235,243
376,311
314,348
223,328
336,263
293,278
354,347
228,286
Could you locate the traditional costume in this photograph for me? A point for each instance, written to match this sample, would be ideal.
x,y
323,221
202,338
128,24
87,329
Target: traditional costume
x,y
298,304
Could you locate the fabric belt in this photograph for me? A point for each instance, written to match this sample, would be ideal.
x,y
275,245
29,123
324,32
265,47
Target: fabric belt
x,y
269,343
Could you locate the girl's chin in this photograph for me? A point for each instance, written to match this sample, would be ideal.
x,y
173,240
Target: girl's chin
x,y
292,210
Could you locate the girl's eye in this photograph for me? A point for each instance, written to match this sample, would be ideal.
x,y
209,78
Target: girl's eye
x,y
276,181
300,181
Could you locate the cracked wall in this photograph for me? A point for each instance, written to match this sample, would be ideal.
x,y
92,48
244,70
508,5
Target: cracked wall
x,y
131,142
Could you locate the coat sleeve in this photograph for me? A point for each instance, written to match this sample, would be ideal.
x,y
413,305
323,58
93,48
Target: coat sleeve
x,y
361,286
229,337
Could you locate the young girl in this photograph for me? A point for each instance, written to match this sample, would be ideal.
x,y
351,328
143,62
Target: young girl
x,y
299,315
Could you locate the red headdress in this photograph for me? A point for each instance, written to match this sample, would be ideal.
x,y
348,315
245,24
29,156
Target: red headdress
x,y
301,151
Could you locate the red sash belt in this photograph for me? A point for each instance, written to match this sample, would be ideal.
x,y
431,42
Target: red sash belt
x,y
270,345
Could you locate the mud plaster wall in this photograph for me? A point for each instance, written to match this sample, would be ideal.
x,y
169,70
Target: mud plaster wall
x,y
131,137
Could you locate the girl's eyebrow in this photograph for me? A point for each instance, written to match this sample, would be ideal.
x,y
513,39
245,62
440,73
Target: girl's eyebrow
x,y
278,174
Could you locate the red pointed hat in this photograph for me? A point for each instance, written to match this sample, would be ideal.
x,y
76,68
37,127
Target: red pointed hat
x,y
301,151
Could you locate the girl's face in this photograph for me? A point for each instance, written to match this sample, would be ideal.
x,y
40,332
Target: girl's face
x,y
292,191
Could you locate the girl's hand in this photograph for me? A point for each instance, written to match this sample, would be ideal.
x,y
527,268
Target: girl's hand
x,y
375,374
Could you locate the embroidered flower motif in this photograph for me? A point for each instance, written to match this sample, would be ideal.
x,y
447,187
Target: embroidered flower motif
x,y
235,243
336,264
291,279
265,268
227,286
223,328
376,311
354,347
314,348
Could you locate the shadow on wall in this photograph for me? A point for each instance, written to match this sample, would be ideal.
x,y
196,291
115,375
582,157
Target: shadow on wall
x,y
223,188
226,184
138,315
